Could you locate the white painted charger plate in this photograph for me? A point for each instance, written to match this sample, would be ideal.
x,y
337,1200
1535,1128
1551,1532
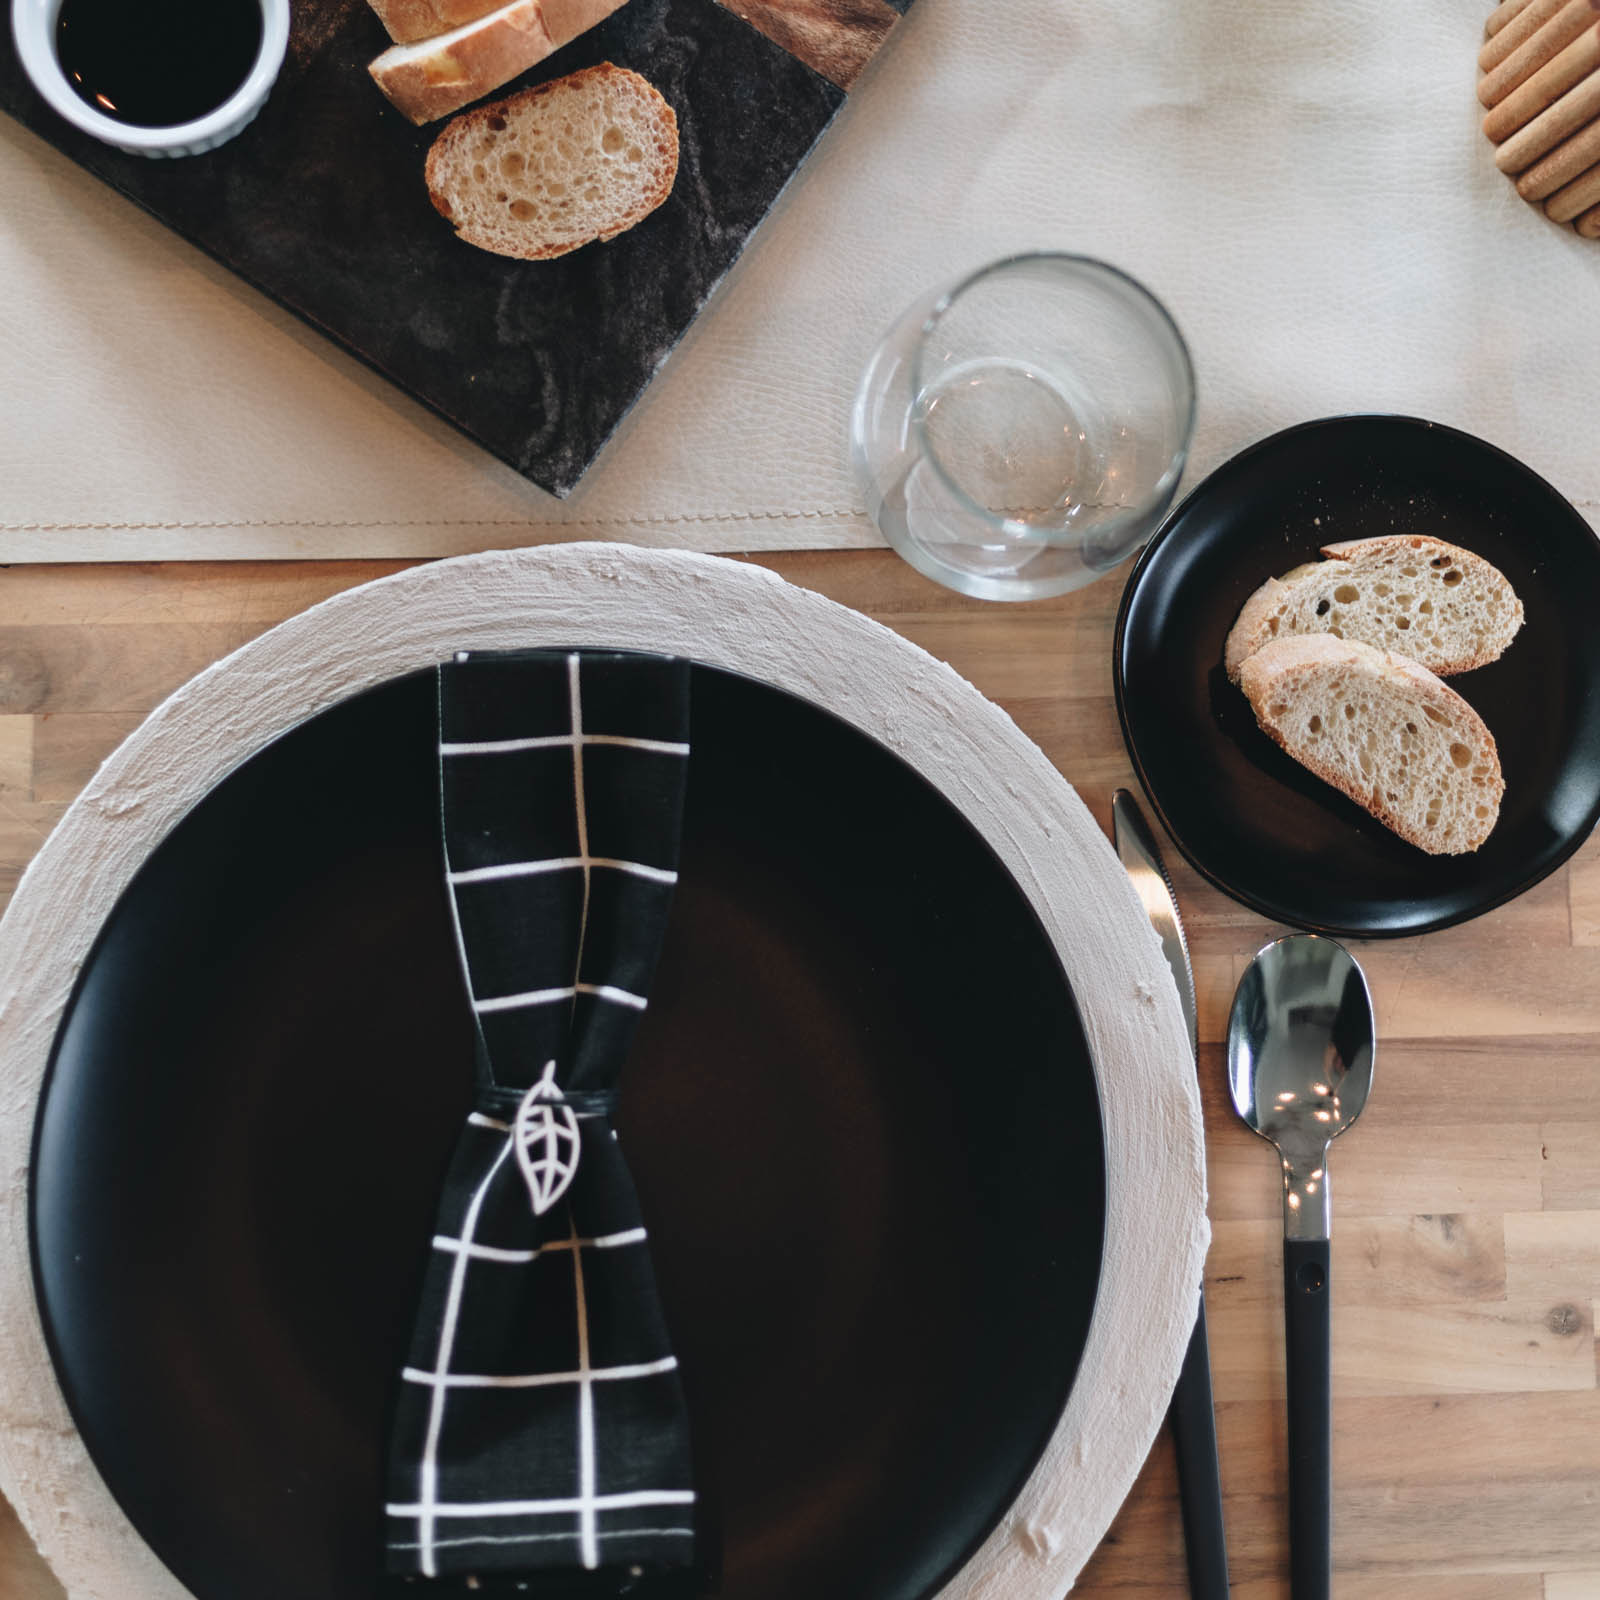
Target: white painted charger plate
x,y
747,621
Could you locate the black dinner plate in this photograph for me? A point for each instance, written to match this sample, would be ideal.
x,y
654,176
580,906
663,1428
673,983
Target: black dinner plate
x,y
860,1110
1251,819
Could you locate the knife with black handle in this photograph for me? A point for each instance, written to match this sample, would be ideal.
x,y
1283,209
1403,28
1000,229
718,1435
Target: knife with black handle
x,y
1192,1413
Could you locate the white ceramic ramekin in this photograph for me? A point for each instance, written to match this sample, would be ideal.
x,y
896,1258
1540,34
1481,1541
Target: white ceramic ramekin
x,y
33,26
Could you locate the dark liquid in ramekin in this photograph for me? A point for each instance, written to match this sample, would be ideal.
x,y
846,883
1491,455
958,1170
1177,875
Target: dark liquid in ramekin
x,y
157,63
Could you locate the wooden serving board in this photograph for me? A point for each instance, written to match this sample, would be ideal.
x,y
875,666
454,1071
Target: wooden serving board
x,y
320,203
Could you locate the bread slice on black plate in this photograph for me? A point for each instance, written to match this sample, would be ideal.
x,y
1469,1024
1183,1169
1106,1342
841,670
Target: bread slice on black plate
x,y
1386,731
1443,606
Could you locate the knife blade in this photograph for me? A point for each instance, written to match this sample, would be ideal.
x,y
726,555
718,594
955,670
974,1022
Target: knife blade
x,y
1192,1412
1141,860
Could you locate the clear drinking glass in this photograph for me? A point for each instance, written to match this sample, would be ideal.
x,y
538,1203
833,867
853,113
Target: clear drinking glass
x,y
1022,431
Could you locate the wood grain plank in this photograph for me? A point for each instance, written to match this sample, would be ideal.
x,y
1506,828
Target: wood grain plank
x,y
1572,1585
1391,1542
1014,660
1452,1347
1523,1079
1536,986
1348,1586
23,1574
159,592
24,826
1377,1261
1387,1166
1433,1438
1538,919
1439,989
16,757
129,667
68,748
1555,1253
1502,1525
1232,927
1387,1586
1532,983
1583,878
1439,1452
1216,978
836,38
1571,1165
878,583
1480,988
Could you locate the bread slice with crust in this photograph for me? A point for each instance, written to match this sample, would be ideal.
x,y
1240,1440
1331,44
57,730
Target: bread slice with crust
x,y
1443,606
556,166
434,76
410,20
1384,730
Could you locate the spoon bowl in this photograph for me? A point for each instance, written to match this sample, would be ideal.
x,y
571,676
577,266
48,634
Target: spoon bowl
x,y
1300,1053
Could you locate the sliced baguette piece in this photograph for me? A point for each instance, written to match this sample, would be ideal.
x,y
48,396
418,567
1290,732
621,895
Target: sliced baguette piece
x,y
433,77
410,20
556,166
1443,606
1386,731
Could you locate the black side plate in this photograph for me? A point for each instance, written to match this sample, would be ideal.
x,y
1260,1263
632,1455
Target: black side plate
x,y
1254,821
861,1113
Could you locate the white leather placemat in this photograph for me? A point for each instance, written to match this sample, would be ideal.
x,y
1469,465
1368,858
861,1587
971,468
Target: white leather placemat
x,y
1305,186
731,615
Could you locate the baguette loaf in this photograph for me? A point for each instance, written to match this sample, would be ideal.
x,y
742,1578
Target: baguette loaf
x,y
1442,606
1384,730
433,77
556,166
410,20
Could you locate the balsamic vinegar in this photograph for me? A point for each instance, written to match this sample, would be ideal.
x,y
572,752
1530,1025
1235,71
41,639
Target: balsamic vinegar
x,y
157,63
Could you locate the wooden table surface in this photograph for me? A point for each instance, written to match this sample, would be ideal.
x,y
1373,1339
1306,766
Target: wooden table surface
x,y
1466,1262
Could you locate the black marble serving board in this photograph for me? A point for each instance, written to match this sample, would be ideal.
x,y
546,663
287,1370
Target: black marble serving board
x,y
320,203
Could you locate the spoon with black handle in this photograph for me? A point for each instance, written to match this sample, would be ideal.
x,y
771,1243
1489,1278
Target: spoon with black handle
x,y
1300,1048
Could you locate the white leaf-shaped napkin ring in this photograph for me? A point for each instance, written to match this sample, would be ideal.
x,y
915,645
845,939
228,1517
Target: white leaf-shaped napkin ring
x,y
545,1134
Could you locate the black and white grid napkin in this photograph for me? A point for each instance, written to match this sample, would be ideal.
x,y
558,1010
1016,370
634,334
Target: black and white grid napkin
x,y
541,1424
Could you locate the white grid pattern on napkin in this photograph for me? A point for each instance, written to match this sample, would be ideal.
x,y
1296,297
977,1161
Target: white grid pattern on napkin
x,y
589,1501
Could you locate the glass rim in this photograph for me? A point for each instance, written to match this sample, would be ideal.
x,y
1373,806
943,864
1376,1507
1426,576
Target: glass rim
x,y
950,295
